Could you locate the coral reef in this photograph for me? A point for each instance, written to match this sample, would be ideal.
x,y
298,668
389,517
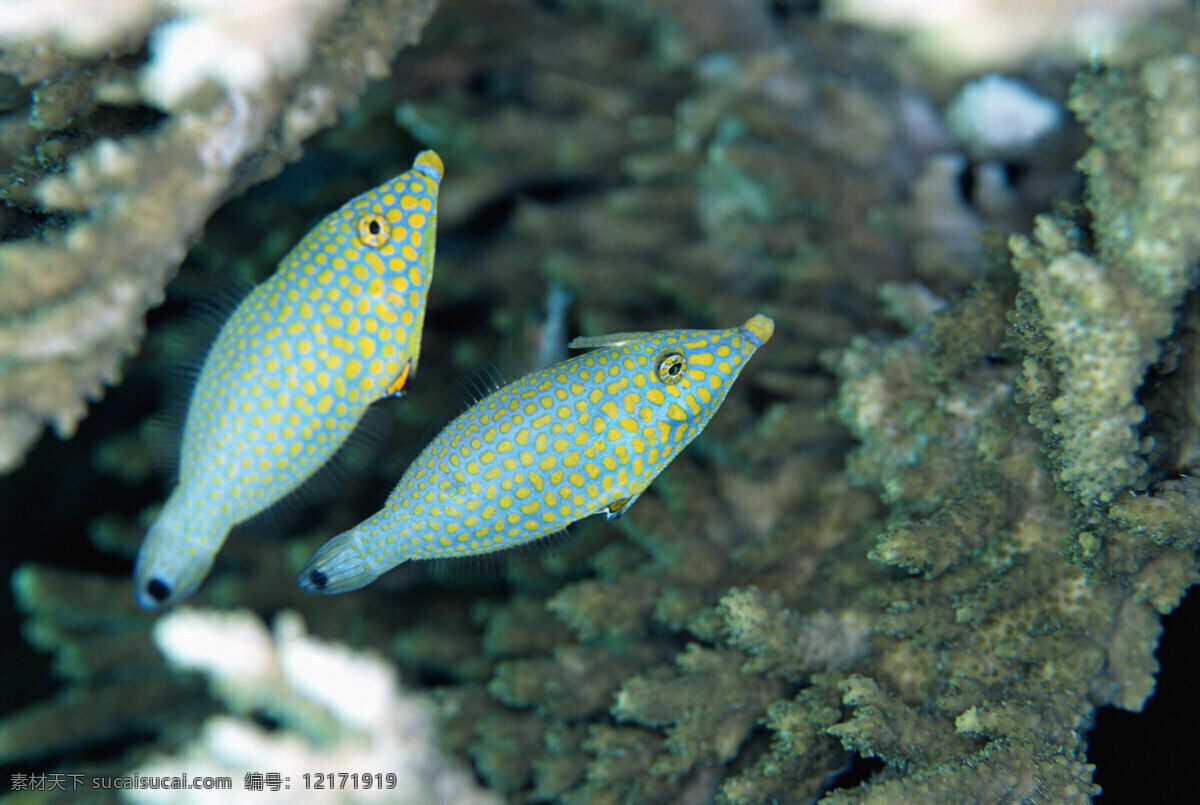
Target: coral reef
x,y
1092,323
1037,642
102,647
943,421
115,159
336,709
981,34
853,587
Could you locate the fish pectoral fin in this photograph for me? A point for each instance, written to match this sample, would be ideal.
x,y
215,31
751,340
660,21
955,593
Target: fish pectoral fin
x,y
397,386
619,507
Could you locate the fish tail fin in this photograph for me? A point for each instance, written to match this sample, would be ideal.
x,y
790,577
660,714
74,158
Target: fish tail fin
x,y
341,565
172,561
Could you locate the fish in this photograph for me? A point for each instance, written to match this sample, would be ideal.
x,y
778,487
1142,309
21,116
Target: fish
x,y
582,437
292,371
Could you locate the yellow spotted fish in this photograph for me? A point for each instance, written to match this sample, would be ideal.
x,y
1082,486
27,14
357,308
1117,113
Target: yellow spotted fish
x,y
292,371
582,437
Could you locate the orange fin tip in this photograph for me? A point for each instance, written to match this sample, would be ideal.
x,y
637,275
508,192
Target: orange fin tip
x,y
397,386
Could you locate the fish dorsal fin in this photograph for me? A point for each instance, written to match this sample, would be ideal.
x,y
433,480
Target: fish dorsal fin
x,y
485,380
611,340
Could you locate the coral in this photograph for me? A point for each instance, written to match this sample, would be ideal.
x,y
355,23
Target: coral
x,y
1037,642
103,648
117,162
853,586
786,644
976,522
115,684
706,707
980,34
975,513
999,117
1093,322
339,710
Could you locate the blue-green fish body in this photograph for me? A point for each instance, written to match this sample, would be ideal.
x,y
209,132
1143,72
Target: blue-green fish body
x,y
582,437
292,371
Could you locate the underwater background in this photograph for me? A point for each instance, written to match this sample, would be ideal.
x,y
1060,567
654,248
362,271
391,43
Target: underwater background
x,y
924,553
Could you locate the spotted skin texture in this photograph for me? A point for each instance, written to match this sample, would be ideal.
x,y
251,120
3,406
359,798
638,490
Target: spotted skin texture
x,y
582,437
292,371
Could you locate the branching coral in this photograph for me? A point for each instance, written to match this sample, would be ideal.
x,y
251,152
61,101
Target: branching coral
x,y
1093,323
981,34
1026,631
1036,642
102,648
339,710
779,603
975,677
224,101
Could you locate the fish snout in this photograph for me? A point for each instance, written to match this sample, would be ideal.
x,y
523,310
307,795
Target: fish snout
x,y
760,328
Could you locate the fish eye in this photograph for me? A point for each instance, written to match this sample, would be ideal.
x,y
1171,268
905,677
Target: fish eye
x,y
670,366
373,230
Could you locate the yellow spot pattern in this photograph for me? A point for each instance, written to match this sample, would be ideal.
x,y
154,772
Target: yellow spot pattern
x,y
508,462
279,371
